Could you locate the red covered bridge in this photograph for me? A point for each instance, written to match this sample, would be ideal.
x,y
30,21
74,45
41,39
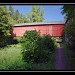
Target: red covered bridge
x,y
51,28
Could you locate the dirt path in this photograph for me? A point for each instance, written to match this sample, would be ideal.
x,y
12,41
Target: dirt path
x,y
59,62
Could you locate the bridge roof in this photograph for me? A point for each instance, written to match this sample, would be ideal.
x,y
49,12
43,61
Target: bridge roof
x,y
40,23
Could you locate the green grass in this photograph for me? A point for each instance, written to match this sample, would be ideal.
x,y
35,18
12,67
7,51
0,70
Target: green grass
x,y
11,59
70,57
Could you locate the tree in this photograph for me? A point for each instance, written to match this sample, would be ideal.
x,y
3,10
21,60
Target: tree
x,y
69,11
11,10
17,14
36,14
20,18
16,17
6,23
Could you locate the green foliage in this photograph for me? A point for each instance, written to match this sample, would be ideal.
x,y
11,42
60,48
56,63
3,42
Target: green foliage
x,y
16,16
8,18
37,49
19,39
68,10
69,30
6,22
11,58
28,44
4,26
31,35
36,14
3,41
45,46
11,10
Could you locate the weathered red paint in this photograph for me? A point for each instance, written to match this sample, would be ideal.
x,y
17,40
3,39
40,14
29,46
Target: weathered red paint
x,y
57,30
51,29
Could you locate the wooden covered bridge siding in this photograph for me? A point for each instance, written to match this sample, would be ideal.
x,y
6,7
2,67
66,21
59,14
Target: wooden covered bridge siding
x,y
51,29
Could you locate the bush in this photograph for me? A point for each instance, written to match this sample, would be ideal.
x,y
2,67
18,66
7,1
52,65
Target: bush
x,y
35,48
3,41
31,35
19,39
28,45
71,43
45,46
70,36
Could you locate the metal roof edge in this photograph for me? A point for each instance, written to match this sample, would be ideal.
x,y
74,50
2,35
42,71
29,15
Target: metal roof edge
x,y
38,23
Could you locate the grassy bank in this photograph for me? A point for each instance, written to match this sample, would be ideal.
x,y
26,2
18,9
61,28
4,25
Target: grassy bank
x,y
11,59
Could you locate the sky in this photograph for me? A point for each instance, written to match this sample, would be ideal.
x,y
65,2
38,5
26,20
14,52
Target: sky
x,y
51,12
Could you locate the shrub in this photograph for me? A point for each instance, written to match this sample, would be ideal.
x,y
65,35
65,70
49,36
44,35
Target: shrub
x,y
35,48
3,41
45,46
28,45
19,39
70,35
31,35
